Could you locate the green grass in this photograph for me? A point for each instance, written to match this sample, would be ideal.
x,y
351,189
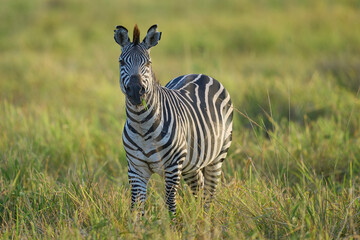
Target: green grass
x,y
291,67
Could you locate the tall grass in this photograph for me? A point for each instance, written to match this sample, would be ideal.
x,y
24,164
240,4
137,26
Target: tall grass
x,y
291,69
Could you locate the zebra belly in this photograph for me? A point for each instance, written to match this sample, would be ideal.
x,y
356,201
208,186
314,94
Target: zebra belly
x,y
200,157
204,142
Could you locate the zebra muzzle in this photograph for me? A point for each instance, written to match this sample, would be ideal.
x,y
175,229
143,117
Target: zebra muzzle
x,y
135,90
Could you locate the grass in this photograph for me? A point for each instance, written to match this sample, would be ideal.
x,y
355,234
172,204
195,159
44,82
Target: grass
x,y
292,70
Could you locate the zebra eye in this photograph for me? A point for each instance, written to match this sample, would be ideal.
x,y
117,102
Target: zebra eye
x,y
148,62
121,62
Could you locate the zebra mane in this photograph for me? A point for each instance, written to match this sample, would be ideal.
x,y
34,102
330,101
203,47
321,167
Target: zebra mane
x,y
156,81
136,35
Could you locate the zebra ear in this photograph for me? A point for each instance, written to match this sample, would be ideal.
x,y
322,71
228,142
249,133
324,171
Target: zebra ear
x,y
121,36
152,37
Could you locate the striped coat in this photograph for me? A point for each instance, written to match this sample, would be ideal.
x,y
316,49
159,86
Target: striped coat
x,y
182,129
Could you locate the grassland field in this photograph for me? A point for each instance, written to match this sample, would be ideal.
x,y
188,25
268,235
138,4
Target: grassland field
x,y
291,67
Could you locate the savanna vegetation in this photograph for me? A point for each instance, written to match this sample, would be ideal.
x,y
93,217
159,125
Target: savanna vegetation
x,y
291,67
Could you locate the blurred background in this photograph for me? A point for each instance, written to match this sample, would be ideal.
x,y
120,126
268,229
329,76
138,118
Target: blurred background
x,y
292,69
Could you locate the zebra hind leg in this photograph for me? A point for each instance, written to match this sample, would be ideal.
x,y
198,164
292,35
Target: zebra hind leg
x,y
212,173
195,180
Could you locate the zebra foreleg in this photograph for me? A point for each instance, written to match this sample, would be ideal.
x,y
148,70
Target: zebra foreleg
x,y
172,180
138,189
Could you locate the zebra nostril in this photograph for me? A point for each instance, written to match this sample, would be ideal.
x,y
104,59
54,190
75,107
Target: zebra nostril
x,y
127,89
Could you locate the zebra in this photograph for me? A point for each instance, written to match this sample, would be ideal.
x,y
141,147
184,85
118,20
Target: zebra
x,y
182,129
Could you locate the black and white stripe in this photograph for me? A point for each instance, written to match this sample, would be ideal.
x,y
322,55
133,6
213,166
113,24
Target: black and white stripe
x,y
184,129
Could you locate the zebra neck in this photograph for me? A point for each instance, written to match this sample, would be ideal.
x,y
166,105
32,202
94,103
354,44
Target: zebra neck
x,y
144,118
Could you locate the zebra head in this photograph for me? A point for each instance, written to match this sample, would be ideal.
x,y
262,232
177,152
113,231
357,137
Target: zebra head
x,y
136,78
